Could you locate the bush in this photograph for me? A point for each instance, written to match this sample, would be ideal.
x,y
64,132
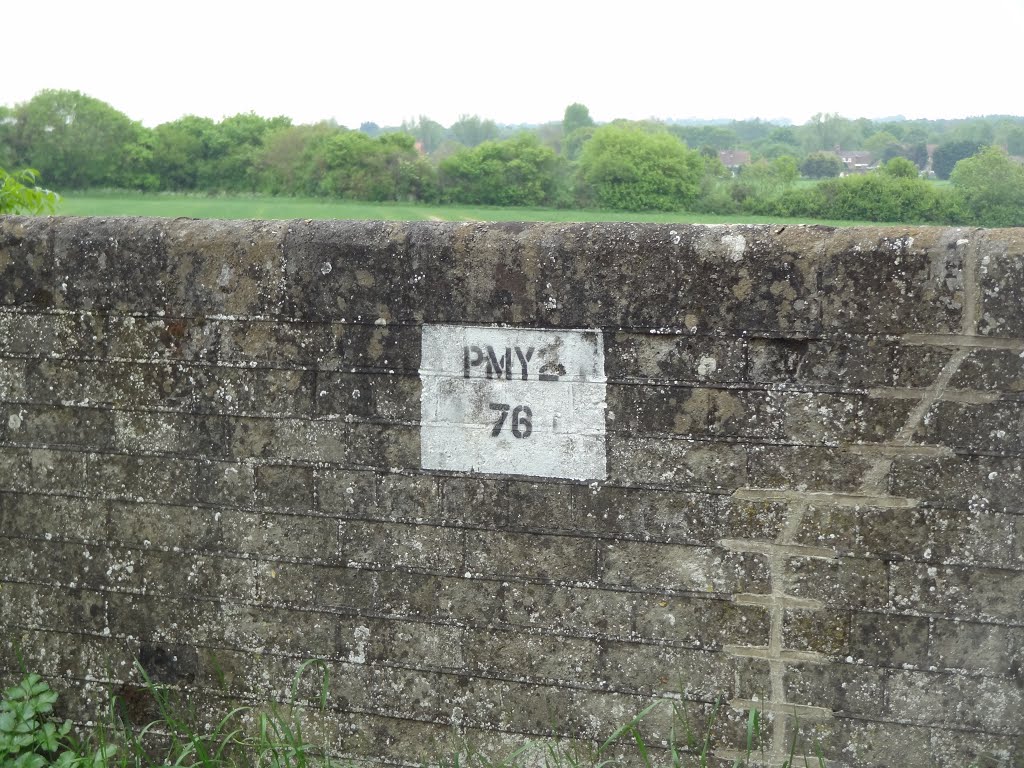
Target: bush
x,y
19,193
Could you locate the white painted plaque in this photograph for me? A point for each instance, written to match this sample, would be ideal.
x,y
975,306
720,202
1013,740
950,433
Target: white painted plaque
x,y
517,401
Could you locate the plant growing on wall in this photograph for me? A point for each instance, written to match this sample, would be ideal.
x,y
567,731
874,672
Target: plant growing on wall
x,y
19,193
29,737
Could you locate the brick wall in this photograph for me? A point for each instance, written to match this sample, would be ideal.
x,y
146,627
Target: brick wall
x,y
210,461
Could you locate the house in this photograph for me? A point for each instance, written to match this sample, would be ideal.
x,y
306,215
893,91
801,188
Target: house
x,y
734,159
856,160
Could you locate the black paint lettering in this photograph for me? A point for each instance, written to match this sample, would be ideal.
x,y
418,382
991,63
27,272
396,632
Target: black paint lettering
x,y
503,409
524,359
467,362
496,366
522,420
522,426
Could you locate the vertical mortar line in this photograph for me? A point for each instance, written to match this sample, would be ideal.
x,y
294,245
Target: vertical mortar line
x,y
776,665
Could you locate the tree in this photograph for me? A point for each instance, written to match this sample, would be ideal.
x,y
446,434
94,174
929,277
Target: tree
x,y
517,171
238,142
900,168
1015,140
821,165
183,152
576,116
290,162
470,130
429,132
19,193
947,155
991,186
386,168
74,140
628,167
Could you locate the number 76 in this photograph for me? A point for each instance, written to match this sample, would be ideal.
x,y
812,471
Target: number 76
x,y
522,425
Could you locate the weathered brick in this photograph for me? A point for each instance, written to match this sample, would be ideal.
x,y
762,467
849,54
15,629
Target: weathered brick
x,y
392,545
1001,278
961,701
983,594
977,648
699,622
317,586
843,583
368,396
696,465
284,488
883,640
519,555
820,631
680,568
573,610
956,481
846,689
281,537
26,274
58,427
346,493
675,358
704,675
53,608
550,658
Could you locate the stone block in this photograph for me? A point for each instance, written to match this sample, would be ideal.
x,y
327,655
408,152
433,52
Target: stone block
x,y
699,622
346,493
973,647
982,594
849,690
570,610
390,545
26,262
675,463
678,358
284,488
845,583
282,537
680,568
521,555
223,267
1001,278
891,641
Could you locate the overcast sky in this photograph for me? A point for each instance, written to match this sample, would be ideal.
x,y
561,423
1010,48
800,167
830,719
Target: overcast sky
x,y
522,61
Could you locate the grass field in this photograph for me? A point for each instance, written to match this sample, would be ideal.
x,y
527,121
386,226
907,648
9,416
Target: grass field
x,y
256,207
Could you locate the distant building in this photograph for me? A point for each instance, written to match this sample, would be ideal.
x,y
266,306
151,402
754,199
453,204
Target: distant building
x,y
856,160
734,159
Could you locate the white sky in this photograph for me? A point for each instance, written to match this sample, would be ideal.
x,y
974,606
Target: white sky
x,y
520,61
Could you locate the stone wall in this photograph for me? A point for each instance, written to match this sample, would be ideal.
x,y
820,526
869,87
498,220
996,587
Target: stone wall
x,y
782,469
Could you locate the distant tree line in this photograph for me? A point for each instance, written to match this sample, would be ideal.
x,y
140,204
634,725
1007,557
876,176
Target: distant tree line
x,y
77,142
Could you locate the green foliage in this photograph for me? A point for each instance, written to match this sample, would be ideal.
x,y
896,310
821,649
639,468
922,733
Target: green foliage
x,y
821,165
629,168
714,136
991,186
946,156
900,168
386,168
517,171
19,193
760,183
75,141
470,130
576,116
29,736
873,197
